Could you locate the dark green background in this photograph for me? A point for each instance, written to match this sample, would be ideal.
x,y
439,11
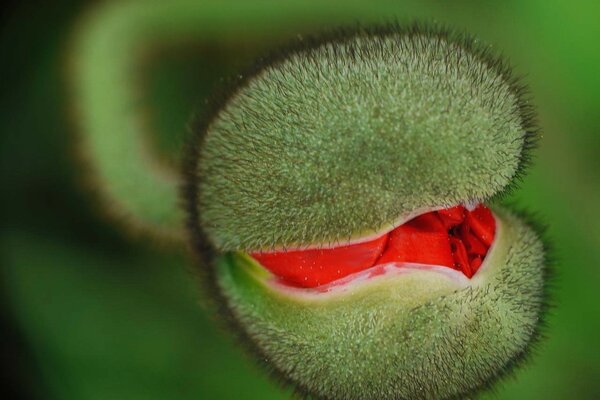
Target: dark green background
x,y
90,313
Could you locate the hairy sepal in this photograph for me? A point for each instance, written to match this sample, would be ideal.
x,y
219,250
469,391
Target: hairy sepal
x,y
413,335
352,132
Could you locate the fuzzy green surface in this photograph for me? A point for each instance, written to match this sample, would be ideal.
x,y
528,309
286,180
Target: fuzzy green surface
x,y
416,335
345,139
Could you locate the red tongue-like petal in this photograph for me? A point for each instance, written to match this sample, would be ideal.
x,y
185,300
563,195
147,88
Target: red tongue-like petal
x,y
410,244
455,237
314,267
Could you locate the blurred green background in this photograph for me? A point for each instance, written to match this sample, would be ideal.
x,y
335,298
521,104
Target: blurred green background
x,y
89,313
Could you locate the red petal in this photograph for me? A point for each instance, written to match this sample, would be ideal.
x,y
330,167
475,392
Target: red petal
x,y
456,238
461,258
314,267
476,263
408,244
482,224
430,222
452,216
473,244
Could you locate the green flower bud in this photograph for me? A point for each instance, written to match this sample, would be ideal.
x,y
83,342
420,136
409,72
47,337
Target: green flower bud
x,y
345,138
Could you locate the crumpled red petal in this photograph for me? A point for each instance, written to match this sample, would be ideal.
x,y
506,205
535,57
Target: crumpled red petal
x,y
455,238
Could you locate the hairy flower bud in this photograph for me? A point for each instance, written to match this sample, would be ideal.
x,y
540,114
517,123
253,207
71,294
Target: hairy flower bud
x,y
333,199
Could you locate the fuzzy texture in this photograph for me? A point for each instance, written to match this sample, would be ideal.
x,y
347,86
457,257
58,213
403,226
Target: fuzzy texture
x,y
345,137
415,336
